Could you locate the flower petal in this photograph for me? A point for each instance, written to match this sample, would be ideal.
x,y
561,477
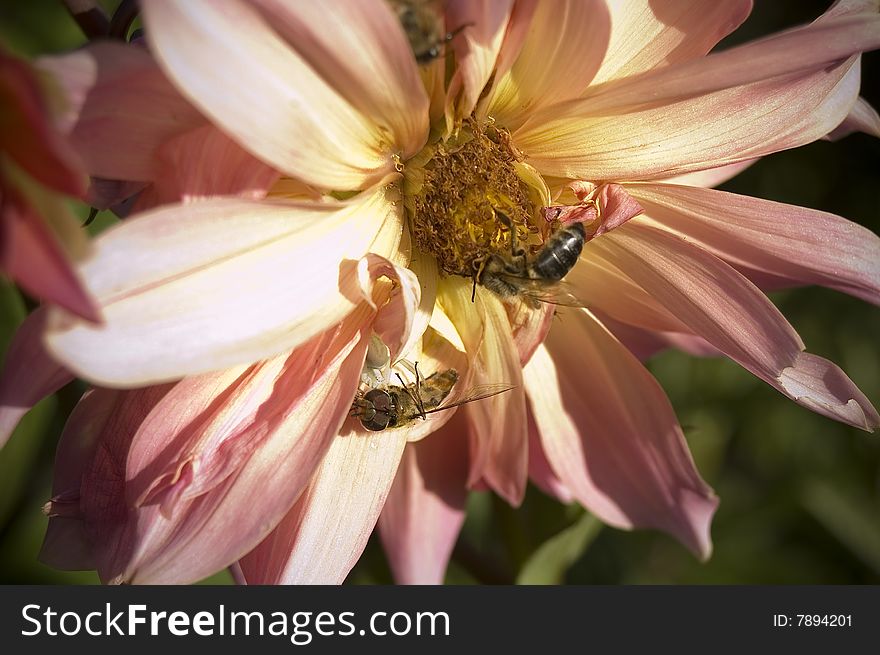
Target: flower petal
x,y
32,254
562,52
498,424
119,108
720,305
711,177
476,50
706,131
27,136
323,535
306,128
183,528
786,241
85,521
214,284
831,39
28,374
648,35
204,162
424,511
861,118
382,81
610,434
541,473
394,320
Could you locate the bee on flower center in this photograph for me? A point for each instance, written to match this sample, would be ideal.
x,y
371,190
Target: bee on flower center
x,y
535,277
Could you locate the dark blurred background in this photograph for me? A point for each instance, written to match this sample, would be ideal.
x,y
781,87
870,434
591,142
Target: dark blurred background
x,y
800,494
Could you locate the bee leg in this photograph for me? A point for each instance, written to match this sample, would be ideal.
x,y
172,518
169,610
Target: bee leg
x,y
517,254
478,275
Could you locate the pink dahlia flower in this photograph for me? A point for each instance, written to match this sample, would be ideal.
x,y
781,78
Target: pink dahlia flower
x,y
238,327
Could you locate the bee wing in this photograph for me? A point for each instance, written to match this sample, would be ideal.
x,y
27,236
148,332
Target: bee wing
x,y
478,392
547,291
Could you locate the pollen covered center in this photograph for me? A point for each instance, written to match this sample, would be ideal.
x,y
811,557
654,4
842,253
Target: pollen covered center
x,y
464,195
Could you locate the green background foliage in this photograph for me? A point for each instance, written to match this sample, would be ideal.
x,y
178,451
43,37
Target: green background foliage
x,y
800,494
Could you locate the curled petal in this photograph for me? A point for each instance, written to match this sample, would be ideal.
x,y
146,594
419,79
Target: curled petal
x,y
28,375
425,509
306,128
720,305
611,436
394,321
198,287
785,241
323,535
861,118
617,207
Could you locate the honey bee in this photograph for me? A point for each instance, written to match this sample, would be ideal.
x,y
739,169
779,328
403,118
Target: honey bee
x,y
394,406
535,277
422,25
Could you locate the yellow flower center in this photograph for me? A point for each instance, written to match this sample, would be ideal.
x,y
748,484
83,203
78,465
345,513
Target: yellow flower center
x,y
465,195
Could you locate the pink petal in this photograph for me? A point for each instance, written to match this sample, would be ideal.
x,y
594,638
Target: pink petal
x,y
719,304
648,35
209,285
205,162
562,52
788,242
476,50
28,375
703,131
27,136
861,118
828,41
499,450
382,81
252,450
610,434
119,109
424,511
323,535
711,177
541,473
645,343
529,327
85,521
32,255
617,207
306,128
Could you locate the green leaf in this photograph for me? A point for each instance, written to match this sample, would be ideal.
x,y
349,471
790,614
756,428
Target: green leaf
x,y
551,560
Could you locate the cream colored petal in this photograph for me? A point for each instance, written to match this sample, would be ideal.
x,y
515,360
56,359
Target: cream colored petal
x,y
357,46
647,35
476,50
209,285
323,535
499,427
564,47
716,129
230,62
